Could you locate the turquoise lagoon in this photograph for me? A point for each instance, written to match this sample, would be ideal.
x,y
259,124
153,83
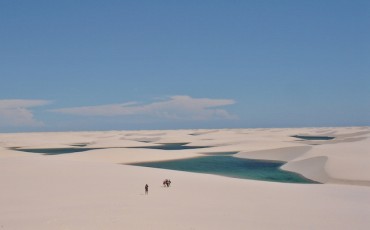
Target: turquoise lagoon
x,y
221,163
227,165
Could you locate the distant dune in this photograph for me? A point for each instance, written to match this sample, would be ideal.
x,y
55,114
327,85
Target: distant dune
x,y
95,189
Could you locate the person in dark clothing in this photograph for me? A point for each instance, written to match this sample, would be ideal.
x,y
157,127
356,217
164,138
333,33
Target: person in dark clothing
x,y
146,189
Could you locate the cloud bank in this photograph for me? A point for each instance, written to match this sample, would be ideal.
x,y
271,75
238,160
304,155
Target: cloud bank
x,y
17,113
174,108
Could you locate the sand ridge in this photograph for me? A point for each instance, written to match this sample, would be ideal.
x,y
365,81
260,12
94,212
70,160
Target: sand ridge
x,y
94,190
333,160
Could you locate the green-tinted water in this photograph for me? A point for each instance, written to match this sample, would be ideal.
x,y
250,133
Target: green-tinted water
x,y
214,163
232,167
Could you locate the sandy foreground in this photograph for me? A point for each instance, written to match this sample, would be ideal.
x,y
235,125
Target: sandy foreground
x,y
96,190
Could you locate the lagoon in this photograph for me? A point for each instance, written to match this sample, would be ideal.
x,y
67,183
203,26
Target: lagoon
x,y
314,138
171,146
227,165
54,151
220,163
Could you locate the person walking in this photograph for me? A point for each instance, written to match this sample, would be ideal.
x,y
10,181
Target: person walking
x,y
146,189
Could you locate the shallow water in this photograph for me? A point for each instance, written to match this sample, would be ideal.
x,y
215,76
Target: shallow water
x,y
172,146
232,167
314,138
213,163
55,151
75,149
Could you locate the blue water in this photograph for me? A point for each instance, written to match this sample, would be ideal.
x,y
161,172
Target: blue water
x,y
232,167
75,149
314,138
55,151
219,163
172,146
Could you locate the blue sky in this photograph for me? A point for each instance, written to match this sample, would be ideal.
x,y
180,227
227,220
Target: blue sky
x,y
102,65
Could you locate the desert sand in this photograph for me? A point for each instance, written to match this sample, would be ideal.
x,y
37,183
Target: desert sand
x,y
96,189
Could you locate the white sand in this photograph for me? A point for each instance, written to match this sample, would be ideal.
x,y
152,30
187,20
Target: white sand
x,y
92,190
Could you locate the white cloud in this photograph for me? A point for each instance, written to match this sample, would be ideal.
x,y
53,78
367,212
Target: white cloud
x,y
175,108
15,112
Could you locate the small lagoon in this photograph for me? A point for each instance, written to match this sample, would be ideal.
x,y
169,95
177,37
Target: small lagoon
x,y
171,146
314,138
54,151
227,165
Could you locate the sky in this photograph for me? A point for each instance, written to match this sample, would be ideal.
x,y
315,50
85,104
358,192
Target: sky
x,y
77,65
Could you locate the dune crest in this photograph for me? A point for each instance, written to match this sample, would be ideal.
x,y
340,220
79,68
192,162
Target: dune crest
x,y
94,189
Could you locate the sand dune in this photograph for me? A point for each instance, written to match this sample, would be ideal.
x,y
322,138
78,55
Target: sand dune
x,y
95,190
